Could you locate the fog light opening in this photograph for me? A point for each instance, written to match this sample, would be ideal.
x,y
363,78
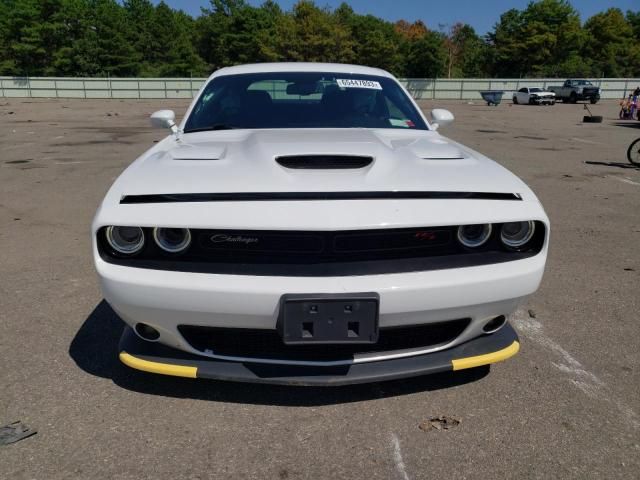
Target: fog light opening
x,y
147,332
494,324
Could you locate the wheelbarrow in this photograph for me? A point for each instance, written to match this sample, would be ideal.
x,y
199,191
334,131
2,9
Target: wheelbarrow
x,y
492,97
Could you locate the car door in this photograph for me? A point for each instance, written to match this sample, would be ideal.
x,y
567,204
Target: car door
x,y
568,88
523,95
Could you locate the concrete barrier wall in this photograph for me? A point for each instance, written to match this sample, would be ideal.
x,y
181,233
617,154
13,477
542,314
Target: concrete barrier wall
x,y
61,87
420,88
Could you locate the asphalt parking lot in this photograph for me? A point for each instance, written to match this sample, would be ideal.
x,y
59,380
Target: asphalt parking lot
x,y
567,406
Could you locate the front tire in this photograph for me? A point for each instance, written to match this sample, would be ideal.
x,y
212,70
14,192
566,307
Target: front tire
x,y
633,153
515,100
594,100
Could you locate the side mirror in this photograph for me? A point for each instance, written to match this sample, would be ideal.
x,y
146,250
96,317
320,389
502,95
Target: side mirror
x,y
164,119
441,118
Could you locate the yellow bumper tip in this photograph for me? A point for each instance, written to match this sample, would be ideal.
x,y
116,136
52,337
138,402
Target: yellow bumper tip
x,y
157,367
487,358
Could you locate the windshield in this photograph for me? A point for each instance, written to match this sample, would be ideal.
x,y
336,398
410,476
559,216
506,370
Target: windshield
x,y
303,100
535,89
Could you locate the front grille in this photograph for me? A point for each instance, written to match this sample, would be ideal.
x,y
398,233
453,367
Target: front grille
x,y
267,344
321,253
313,247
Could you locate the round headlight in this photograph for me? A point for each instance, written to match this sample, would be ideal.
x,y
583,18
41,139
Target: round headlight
x,y
516,234
125,240
474,235
172,240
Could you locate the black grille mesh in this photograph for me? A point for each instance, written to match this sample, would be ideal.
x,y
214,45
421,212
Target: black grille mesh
x,y
267,344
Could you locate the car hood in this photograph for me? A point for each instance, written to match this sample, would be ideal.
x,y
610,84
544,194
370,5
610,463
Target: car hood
x,y
237,161
244,161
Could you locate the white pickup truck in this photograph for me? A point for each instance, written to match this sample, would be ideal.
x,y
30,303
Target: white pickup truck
x,y
574,90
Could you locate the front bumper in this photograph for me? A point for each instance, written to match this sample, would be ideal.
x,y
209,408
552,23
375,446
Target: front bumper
x,y
157,358
166,300
543,100
588,96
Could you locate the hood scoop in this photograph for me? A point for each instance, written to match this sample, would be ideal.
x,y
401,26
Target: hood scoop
x,y
435,150
324,162
206,151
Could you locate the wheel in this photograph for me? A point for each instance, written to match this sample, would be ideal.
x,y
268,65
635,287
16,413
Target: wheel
x,y
594,100
553,103
633,153
515,100
573,98
592,119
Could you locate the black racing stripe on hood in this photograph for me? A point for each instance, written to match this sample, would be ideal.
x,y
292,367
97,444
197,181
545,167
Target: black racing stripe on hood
x,y
310,196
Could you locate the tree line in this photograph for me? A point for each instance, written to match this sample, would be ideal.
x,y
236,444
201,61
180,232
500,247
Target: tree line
x,y
138,38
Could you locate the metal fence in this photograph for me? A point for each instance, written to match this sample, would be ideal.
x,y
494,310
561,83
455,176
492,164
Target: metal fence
x,y
420,88
469,88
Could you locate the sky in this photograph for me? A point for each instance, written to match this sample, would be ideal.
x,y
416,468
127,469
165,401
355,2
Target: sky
x,y
480,14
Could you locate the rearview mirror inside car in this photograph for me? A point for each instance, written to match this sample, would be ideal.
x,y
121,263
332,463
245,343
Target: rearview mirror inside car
x,y
303,88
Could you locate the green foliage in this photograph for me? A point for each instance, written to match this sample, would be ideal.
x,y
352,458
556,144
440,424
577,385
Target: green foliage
x,y
77,56
111,46
545,39
466,52
312,34
375,42
610,47
31,34
232,32
634,20
140,38
426,56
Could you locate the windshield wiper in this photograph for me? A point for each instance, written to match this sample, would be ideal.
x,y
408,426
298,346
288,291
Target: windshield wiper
x,y
217,126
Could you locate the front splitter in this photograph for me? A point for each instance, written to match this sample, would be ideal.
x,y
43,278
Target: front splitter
x,y
157,358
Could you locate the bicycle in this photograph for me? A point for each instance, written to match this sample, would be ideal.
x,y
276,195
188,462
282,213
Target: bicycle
x,y
633,153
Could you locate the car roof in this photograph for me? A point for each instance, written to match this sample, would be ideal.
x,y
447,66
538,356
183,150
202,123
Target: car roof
x,y
300,67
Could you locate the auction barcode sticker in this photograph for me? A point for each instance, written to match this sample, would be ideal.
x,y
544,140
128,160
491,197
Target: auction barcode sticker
x,y
353,83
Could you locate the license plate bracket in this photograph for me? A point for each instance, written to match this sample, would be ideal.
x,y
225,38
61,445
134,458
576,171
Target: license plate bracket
x,y
329,318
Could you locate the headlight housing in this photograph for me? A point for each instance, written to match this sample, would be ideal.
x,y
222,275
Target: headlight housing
x,y
172,240
125,240
517,234
473,236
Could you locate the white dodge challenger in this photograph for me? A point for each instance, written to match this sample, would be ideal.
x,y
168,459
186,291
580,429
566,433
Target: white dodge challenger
x,y
306,224
534,96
